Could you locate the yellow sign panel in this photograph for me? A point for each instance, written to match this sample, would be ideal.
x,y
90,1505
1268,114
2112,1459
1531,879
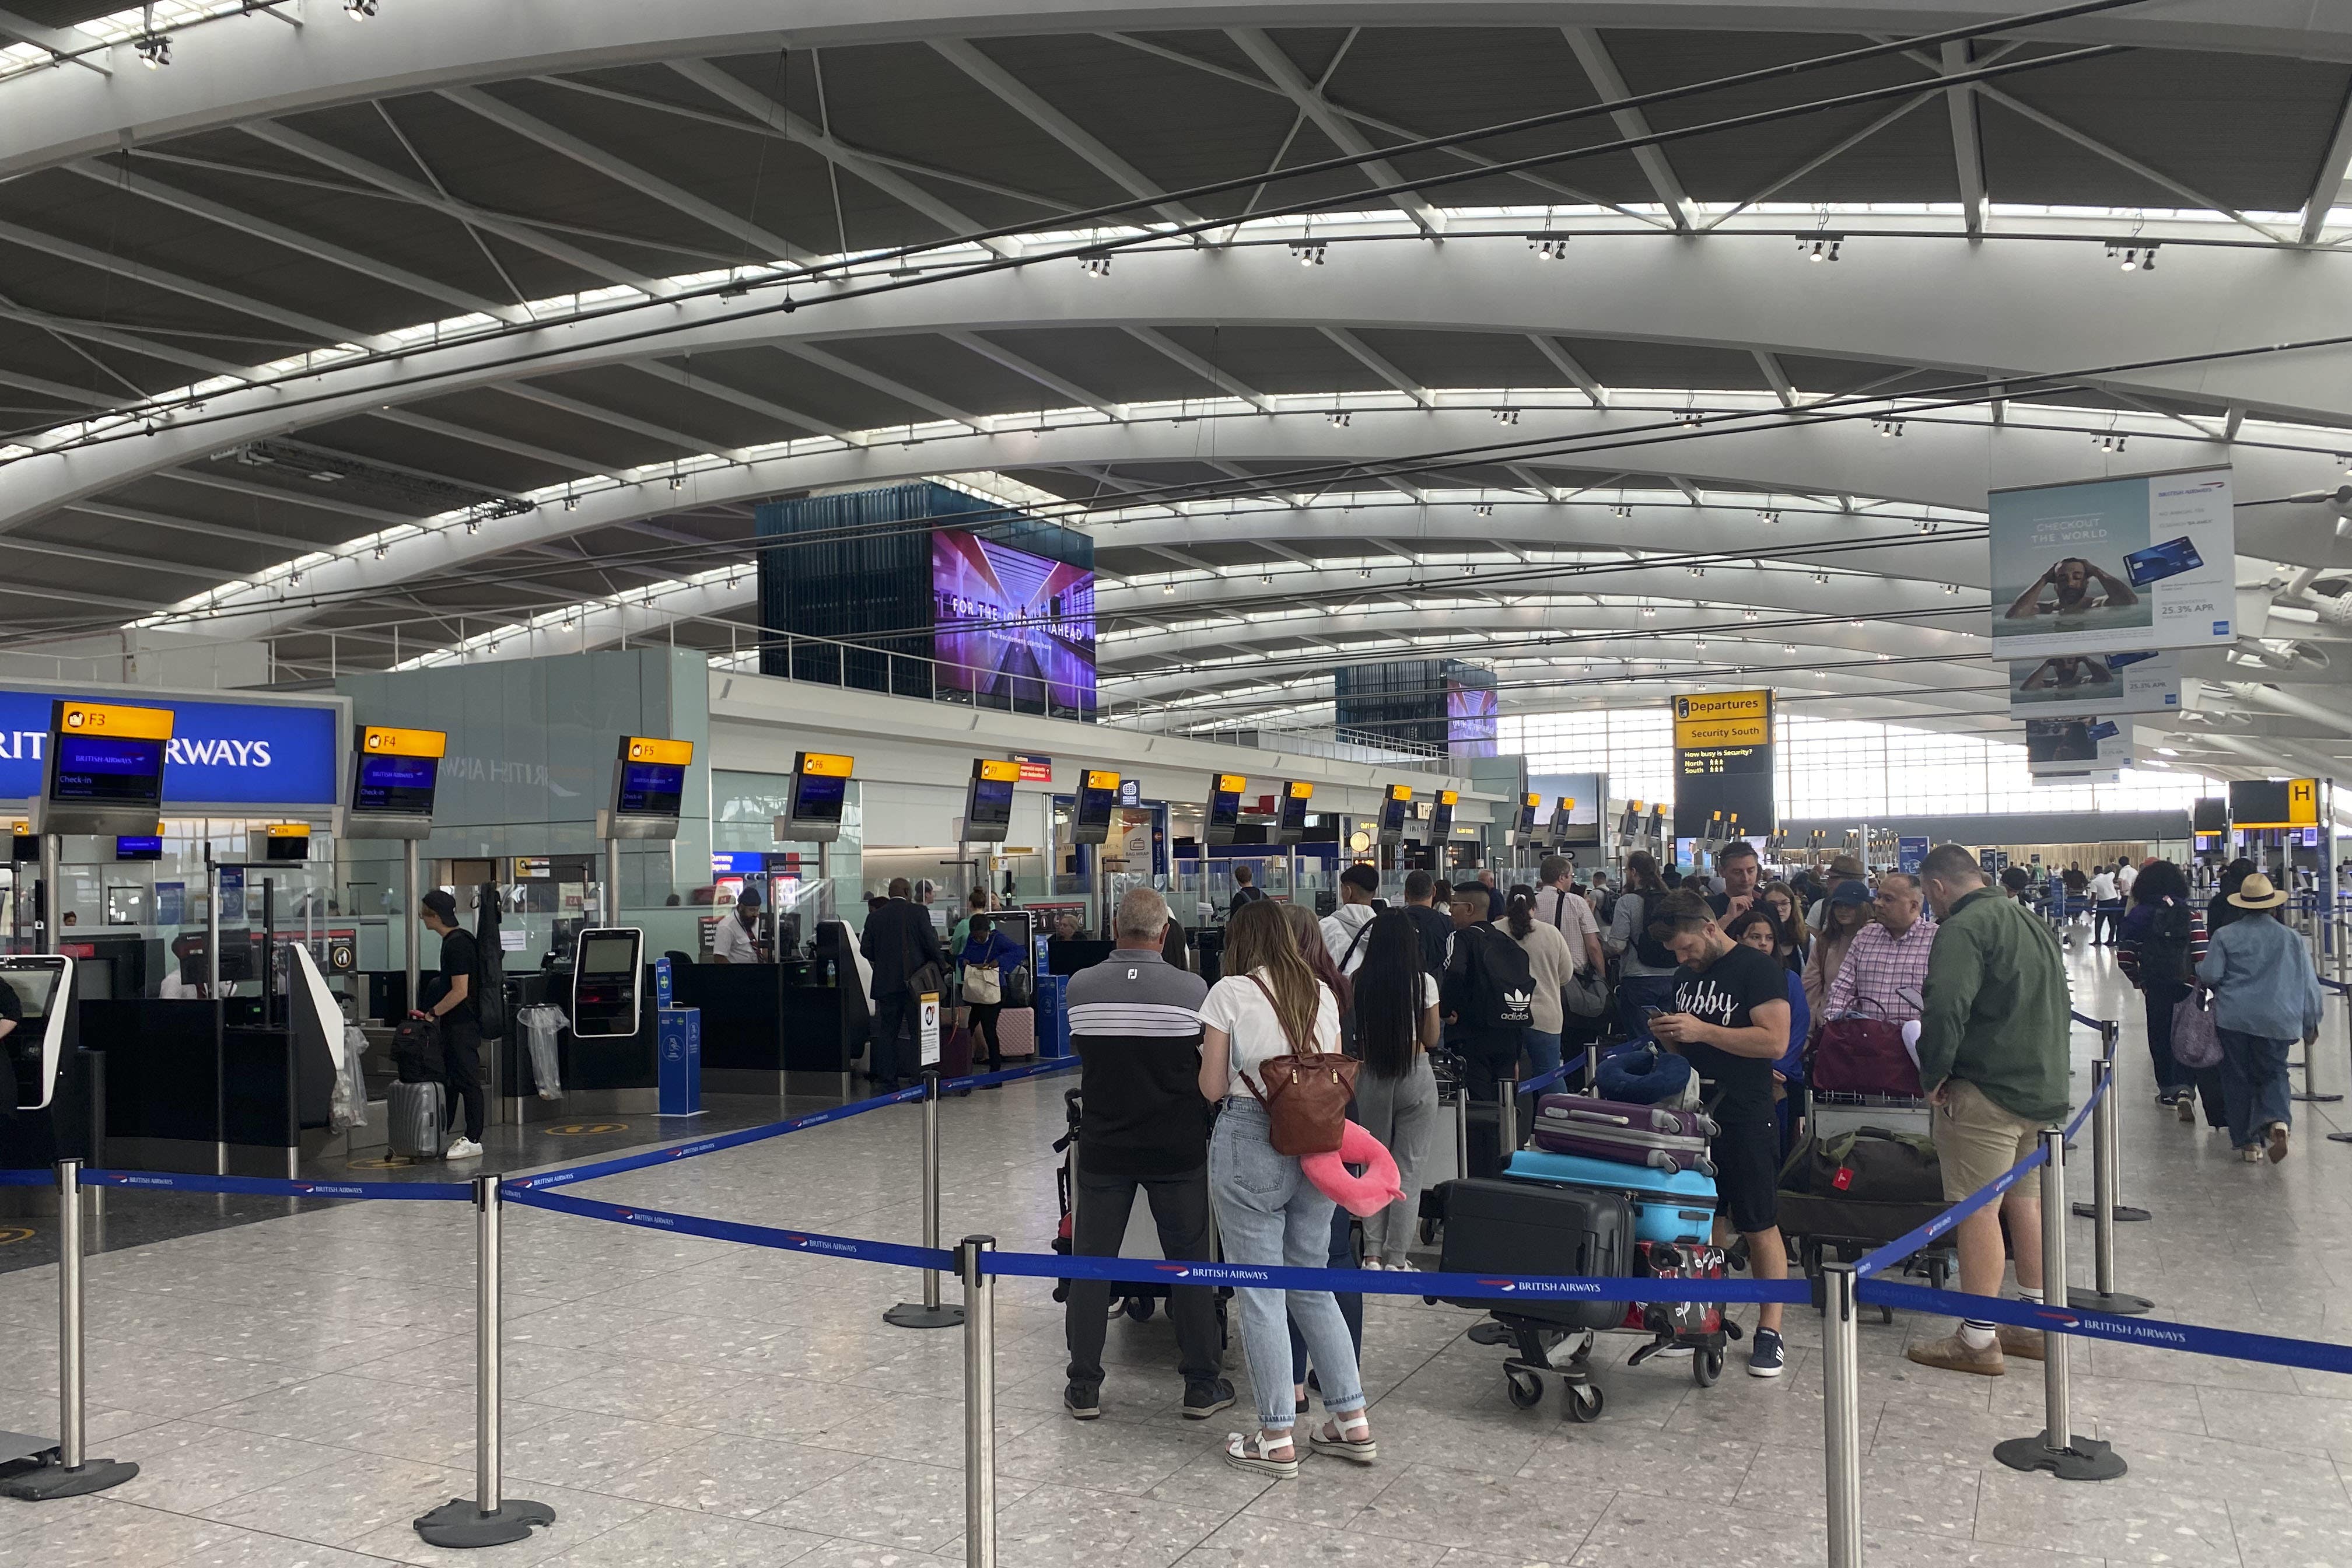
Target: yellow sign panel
x,y
1301,790
381,739
654,748
1533,800
1231,784
809,764
105,718
1723,719
1096,778
1448,796
1567,803
2302,806
1400,792
995,771
290,830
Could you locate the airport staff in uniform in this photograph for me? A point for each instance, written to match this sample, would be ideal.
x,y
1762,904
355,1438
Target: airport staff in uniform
x,y
735,940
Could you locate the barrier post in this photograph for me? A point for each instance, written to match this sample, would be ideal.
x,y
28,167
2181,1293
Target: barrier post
x,y
978,1404
490,1518
2105,1137
930,1313
1507,1129
65,1470
1592,1069
2111,1170
1842,1412
1461,1122
2055,1447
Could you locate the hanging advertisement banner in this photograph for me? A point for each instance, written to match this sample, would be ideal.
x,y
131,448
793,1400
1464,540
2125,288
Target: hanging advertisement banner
x,y
1723,762
2078,748
2113,565
2144,680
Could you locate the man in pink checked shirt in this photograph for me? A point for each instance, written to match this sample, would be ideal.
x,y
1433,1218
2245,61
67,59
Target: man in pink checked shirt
x,y
1887,969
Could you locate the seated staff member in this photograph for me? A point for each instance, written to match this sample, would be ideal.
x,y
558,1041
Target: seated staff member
x,y
735,940
1730,1022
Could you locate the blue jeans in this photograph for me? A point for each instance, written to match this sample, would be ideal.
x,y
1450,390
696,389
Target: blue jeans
x,y
1542,1051
1351,1302
2254,1084
1635,991
1270,1213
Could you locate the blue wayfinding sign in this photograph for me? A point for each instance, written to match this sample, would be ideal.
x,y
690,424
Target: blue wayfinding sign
x,y
220,753
1910,854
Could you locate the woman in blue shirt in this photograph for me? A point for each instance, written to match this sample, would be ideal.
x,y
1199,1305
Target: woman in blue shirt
x,y
2266,993
1759,926
989,958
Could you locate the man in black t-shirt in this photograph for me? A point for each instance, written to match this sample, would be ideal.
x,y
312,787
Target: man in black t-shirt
x,y
1730,1022
452,1007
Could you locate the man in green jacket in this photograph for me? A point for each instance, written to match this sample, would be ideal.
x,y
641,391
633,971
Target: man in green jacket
x,y
1992,1056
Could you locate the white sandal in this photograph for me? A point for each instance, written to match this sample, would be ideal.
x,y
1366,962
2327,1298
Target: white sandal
x,y
1362,1452
1239,1455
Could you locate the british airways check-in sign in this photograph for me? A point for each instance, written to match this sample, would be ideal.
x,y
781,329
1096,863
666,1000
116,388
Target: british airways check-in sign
x,y
221,753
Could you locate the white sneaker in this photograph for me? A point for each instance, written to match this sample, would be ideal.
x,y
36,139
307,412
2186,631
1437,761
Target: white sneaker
x,y
465,1148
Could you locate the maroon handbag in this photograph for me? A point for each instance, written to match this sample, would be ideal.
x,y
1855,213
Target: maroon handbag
x,y
1863,1055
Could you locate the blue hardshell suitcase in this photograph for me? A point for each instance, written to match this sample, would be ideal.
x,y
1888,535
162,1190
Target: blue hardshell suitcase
x,y
1679,1208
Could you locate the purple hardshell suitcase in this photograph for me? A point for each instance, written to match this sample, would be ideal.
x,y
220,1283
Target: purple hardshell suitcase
x,y
1627,1134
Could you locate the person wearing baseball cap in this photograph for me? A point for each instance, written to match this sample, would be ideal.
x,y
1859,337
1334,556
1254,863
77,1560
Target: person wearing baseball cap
x,y
453,1008
2265,995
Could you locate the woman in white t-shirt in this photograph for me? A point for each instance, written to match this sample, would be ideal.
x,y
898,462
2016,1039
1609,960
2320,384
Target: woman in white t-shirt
x,y
1268,1213
1396,1094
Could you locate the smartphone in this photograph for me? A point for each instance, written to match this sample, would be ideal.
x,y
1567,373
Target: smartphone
x,y
2169,559
2106,729
1649,1012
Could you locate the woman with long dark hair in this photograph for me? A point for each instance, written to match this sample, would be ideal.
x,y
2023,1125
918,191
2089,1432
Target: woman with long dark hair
x,y
1645,975
1270,1004
1552,964
2159,946
1396,1094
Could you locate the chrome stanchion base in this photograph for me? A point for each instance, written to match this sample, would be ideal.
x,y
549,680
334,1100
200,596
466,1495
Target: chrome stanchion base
x,y
2309,1099
915,1315
2123,1211
2339,1136
458,1524
34,1474
2117,1302
2083,1458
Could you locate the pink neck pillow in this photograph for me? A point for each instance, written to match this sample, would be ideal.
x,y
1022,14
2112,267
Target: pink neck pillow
x,y
1360,1196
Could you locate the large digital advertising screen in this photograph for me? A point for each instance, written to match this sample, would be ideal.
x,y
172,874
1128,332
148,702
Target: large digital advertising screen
x,y
2114,565
1472,707
1014,630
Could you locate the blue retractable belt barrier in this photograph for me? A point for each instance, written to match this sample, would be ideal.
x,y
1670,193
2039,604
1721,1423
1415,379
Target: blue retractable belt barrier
x,y
1034,1069
1393,1282
2088,1021
2319,1354
29,1178
269,1186
845,1246
1544,1080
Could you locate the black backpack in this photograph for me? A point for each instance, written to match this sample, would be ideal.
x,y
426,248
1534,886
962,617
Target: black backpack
x,y
1647,948
2164,953
1502,988
416,1051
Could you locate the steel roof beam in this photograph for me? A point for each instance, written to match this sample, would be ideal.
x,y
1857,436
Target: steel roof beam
x,y
173,282
1778,378
1968,143
1029,369
692,445
1372,360
888,180
1267,56
1222,379
2327,186
684,376
1592,53
570,462
1566,363
915,396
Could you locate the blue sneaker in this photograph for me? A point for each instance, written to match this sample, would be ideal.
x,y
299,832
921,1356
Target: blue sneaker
x,y
1770,1357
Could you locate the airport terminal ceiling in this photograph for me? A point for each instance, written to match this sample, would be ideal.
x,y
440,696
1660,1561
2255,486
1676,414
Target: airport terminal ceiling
x,y
431,329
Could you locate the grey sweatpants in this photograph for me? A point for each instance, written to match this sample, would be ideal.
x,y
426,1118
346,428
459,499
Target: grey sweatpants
x,y
1402,1112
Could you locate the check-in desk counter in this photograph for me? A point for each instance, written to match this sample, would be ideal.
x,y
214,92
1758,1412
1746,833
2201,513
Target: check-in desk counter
x,y
175,1092
774,1028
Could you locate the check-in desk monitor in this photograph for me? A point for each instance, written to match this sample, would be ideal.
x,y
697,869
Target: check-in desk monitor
x,y
1441,815
649,788
40,1004
607,967
1290,826
1097,798
819,796
103,772
988,799
1529,805
1394,807
1224,814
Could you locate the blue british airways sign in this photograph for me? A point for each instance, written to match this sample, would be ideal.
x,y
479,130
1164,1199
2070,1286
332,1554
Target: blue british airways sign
x,y
221,753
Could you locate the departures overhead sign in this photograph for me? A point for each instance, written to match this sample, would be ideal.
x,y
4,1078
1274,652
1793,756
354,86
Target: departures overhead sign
x,y
1723,761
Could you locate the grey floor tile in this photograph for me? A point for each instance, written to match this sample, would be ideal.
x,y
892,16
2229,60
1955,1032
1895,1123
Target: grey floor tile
x,y
344,1502
1056,1525
1698,1469
1107,1457
1637,1530
670,1538
1453,1509
741,1476
889,1502
250,1549
593,1451
187,1468
861,1554
1253,1541
100,1530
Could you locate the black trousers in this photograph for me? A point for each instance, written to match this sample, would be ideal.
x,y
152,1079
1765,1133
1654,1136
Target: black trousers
x,y
897,1055
1179,1207
983,1025
461,1065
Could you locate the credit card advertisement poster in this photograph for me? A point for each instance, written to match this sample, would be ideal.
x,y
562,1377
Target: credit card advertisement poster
x,y
2144,680
2114,565
2080,748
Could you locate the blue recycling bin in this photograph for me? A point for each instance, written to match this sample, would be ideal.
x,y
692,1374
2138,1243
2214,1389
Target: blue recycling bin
x,y
1053,1015
679,1034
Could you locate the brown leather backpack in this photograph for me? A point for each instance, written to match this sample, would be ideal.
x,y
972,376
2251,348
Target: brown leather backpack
x,y
1306,1095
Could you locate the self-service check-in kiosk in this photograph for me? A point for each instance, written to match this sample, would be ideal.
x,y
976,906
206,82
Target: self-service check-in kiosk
x,y
608,983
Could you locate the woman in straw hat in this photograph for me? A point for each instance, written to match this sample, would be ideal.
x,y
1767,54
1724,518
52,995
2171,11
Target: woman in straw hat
x,y
2266,993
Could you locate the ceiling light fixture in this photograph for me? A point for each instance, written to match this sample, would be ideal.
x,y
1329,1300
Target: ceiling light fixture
x,y
1168,587
1689,417
1649,611
1483,509
1820,577
2110,441
1887,427
1308,252
1096,265
2132,256
1820,247
155,50
1698,571
1548,247
571,503
359,10
1507,416
382,550
1364,572
1337,416
1749,615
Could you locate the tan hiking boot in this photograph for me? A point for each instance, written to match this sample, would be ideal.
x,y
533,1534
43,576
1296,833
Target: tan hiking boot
x,y
2022,1343
1954,1355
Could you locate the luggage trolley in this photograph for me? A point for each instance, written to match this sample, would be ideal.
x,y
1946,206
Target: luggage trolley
x,y
1827,1225
1135,1299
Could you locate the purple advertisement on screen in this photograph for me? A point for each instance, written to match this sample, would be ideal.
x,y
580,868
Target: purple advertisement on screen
x,y
1013,629
1471,719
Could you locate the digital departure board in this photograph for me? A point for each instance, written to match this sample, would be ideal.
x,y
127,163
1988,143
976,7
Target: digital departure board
x,y
820,790
1223,812
1723,758
2274,803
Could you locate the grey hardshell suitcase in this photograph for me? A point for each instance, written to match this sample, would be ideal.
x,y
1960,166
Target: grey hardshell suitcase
x,y
415,1115
1628,1134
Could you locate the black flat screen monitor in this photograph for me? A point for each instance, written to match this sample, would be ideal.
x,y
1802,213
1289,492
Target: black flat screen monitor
x,y
607,971
1090,819
816,797
127,847
651,789
988,810
286,846
2213,816
1394,807
394,786
107,770
1225,815
1292,826
1528,806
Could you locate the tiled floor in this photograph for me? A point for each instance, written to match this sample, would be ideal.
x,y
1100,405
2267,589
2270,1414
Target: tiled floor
x,y
298,1388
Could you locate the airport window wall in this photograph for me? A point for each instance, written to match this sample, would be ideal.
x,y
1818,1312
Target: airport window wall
x,y
1840,767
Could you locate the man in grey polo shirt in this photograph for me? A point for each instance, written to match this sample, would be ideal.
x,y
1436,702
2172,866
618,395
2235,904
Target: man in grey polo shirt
x,y
1135,1022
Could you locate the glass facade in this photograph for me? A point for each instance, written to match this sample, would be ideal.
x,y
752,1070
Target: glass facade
x,y
1840,767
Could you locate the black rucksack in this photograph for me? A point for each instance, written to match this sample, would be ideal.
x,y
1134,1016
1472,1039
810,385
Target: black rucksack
x,y
416,1051
1647,948
1502,988
2164,953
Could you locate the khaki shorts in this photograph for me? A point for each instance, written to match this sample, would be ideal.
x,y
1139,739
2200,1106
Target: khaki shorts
x,y
1976,1139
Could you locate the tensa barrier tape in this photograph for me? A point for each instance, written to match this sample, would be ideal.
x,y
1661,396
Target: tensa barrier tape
x,y
1393,1282
843,1246
676,1152
2320,1355
1544,1080
29,1178
278,1187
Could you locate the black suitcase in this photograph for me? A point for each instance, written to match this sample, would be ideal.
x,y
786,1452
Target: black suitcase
x,y
1519,1228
